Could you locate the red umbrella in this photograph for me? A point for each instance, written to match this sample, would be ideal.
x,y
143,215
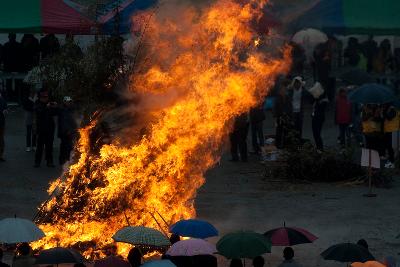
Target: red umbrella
x,y
289,236
111,261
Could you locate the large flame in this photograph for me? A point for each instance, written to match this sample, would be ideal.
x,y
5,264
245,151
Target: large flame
x,y
205,69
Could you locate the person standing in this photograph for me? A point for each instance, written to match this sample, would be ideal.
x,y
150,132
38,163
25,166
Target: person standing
x,y
3,111
29,107
390,125
238,138
2,264
12,56
258,261
45,129
67,129
49,46
283,114
343,115
30,51
257,117
318,114
297,95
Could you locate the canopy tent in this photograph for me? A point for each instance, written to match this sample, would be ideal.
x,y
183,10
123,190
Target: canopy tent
x,y
116,17
42,16
351,17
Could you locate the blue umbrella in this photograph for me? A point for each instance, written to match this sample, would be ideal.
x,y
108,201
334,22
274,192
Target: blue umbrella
x,y
194,228
372,93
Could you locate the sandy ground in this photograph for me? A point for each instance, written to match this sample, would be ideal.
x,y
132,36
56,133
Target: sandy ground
x,y
236,197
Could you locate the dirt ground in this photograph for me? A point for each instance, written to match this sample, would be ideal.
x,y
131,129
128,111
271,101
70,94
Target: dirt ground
x,y
236,197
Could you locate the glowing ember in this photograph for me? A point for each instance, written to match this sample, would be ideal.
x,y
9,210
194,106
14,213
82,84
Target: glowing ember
x,y
201,70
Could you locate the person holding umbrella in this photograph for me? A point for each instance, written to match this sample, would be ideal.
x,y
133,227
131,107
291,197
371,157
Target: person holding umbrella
x,y
23,256
288,255
236,263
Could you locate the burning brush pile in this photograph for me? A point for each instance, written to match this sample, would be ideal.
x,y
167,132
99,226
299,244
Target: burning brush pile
x,y
198,68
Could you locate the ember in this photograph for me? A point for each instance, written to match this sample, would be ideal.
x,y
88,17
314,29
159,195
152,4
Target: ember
x,y
205,69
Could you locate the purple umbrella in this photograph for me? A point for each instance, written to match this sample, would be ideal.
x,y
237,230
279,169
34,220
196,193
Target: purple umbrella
x,y
191,247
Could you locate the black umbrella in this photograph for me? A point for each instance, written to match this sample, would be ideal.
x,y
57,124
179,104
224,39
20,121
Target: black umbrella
x,y
347,252
59,256
372,93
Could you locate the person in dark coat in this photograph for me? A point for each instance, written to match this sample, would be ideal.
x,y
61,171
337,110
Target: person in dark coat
x,y
343,116
67,129
29,107
370,50
2,264
258,261
12,56
236,263
238,138
30,51
204,260
3,111
257,117
49,46
45,126
135,257
282,112
318,119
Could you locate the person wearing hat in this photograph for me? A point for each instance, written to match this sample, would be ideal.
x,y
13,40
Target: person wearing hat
x,y
297,95
67,129
45,127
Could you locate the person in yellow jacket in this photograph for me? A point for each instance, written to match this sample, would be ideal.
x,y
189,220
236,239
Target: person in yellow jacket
x,y
391,124
372,126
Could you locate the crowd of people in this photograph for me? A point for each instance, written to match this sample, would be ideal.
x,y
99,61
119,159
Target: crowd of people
x,y
40,122
370,125
24,257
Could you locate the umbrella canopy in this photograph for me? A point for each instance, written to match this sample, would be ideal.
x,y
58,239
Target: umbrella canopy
x,y
309,38
191,247
289,236
59,256
347,252
161,263
117,15
368,264
194,228
356,76
140,235
372,93
243,245
350,17
38,16
17,230
111,261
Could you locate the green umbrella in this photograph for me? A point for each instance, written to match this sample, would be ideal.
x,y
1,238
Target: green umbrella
x,y
141,236
241,245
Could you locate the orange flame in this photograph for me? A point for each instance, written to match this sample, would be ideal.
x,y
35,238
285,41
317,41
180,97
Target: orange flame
x,y
206,67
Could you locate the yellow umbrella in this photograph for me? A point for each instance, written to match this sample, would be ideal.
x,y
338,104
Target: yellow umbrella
x,y
368,264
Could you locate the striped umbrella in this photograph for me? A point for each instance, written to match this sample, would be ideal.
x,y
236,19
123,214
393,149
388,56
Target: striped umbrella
x,y
289,236
141,236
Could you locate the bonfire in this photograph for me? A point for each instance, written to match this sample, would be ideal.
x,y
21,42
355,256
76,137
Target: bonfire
x,y
199,68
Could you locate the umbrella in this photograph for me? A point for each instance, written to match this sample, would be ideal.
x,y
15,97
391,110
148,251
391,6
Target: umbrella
x,y
356,76
191,247
289,236
59,256
194,228
140,235
243,245
111,261
160,263
367,264
17,230
372,93
347,252
309,38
